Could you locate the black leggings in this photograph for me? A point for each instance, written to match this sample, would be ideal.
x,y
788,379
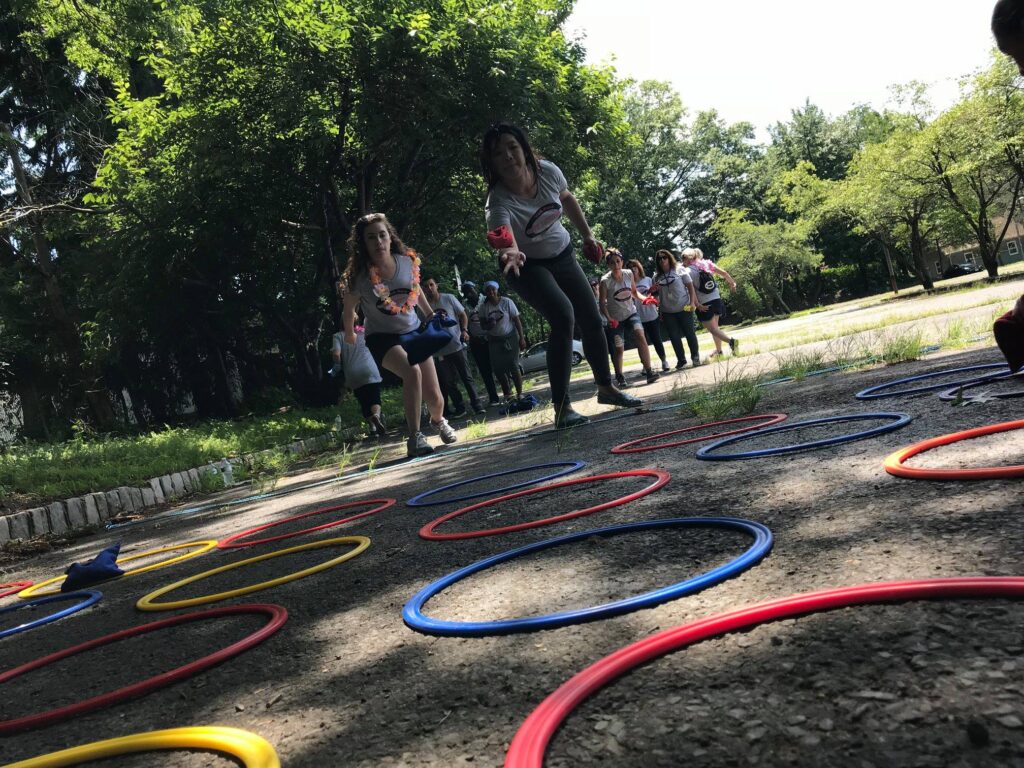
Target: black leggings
x,y
652,330
561,293
679,324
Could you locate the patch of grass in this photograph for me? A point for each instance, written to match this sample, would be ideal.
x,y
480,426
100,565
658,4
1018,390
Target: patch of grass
x,y
475,429
374,458
336,459
266,468
31,473
799,363
210,482
732,395
901,347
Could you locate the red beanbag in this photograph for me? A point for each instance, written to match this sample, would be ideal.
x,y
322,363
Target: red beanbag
x,y
593,251
500,238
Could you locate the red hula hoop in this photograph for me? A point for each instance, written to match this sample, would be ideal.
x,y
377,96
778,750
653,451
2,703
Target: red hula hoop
x,y
894,462
531,740
662,477
773,418
229,542
17,587
278,615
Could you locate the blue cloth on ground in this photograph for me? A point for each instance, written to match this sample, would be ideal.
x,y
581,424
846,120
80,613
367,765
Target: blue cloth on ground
x,y
429,339
100,568
522,405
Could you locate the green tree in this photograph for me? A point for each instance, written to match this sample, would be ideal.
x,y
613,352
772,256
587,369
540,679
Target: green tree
x,y
770,257
974,153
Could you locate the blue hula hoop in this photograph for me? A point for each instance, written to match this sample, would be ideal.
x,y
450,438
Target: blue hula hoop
x,y
91,596
875,393
414,618
901,420
952,394
568,467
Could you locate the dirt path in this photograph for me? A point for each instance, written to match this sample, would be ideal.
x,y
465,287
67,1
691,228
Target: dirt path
x,y
345,683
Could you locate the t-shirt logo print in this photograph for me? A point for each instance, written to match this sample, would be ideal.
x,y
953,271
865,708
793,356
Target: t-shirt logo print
x,y
623,294
397,296
542,219
491,319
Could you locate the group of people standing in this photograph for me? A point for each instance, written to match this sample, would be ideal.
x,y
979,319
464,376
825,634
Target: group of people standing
x,y
632,302
527,197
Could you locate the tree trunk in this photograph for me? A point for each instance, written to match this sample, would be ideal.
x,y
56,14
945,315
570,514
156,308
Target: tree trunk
x,y
917,252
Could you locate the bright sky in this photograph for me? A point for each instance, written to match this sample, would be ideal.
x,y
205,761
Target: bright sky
x,y
757,61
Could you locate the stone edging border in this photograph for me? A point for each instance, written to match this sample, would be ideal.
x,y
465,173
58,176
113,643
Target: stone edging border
x,y
94,509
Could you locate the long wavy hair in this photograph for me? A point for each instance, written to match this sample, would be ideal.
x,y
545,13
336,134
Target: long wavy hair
x,y
358,256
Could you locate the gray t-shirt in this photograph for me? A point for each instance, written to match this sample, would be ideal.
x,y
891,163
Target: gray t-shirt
x,y
619,295
672,291
453,307
708,266
356,361
536,222
476,330
647,312
497,318
378,319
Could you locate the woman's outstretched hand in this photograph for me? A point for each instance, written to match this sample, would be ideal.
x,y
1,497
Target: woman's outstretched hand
x,y
593,250
512,260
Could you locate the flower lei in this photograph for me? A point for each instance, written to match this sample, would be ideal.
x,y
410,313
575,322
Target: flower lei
x,y
381,291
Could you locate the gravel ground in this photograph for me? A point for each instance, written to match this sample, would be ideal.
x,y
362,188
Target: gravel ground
x,y
345,683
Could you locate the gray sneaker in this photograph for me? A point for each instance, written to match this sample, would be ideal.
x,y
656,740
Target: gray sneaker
x,y
445,430
417,445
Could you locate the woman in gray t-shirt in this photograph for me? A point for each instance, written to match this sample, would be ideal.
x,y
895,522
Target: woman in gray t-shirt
x,y
526,197
382,277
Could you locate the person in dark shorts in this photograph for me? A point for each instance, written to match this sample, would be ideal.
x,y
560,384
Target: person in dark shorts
x,y
361,375
619,301
382,278
702,272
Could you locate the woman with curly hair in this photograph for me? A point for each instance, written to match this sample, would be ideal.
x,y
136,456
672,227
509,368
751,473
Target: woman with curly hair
x,y
383,278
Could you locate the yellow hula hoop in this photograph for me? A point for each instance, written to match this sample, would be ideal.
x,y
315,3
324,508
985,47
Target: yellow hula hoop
x,y
254,751
147,603
202,547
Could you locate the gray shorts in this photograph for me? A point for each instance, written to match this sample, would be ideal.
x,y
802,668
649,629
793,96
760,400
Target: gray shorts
x,y
631,324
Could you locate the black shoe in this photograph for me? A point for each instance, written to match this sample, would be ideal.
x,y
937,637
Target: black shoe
x,y
620,399
457,413
377,423
493,402
652,376
680,364
479,409
620,380
569,418
734,344
696,362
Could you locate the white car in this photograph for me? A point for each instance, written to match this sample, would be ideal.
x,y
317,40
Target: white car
x,y
536,357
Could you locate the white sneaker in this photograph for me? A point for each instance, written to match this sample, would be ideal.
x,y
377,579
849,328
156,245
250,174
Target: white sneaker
x,y
445,430
417,445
